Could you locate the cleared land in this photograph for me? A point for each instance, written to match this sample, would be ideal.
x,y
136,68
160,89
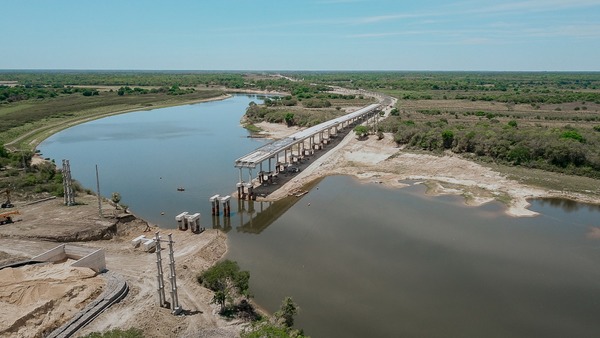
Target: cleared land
x,y
46,286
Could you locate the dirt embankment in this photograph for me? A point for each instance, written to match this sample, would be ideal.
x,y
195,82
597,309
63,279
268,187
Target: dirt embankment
x,y
40,304
36,299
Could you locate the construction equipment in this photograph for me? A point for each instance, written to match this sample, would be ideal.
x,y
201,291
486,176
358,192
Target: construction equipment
x,y
5,217
6,204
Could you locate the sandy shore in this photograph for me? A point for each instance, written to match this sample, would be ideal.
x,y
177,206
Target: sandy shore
x,y
383,162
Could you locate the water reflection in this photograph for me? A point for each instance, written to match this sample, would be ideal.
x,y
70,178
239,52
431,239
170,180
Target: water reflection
x,y
362,260
147,155
256,216
567,205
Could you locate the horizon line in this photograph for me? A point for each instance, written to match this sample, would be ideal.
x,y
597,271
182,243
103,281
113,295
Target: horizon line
x,y
6,70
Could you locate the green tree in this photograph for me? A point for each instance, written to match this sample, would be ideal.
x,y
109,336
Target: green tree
x,y
280,325
519,155
361,131
289,119
226,280
3,151
448,138
116,198
287,311
221,297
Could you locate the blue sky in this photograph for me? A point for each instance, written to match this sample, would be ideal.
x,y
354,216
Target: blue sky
x,y
528,35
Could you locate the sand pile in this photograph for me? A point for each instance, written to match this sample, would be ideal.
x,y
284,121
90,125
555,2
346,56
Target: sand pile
x,y
36,299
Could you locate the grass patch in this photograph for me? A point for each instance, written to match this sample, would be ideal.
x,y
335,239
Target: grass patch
x,y
252,128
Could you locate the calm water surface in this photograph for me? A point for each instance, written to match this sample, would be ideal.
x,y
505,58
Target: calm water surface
x,y
147,155
360,260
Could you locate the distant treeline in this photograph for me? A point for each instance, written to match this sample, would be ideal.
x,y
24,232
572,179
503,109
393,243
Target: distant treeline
x,y
484,86
19,93
152,79
513,87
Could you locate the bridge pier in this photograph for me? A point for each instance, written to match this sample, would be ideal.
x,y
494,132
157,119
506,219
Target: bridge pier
x,y
226,205
299,145
214,202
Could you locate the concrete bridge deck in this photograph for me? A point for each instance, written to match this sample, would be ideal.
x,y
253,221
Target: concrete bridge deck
x,y
269,150
293,149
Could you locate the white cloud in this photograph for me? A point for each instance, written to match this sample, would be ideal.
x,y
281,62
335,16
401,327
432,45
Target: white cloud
x,y
476,7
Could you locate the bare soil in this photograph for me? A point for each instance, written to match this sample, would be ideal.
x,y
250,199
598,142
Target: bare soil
x,y
38,229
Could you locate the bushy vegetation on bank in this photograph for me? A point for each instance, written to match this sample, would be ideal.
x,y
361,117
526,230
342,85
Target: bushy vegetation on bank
x,y
9,94
563,149
19,175
231,288
231,291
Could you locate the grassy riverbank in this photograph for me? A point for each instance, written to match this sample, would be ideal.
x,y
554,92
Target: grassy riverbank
x,y
28,122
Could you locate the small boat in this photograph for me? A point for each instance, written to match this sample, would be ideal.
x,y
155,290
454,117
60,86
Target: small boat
x,y
180,189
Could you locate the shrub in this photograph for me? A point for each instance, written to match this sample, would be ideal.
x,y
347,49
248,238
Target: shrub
x,y
574,135
117,333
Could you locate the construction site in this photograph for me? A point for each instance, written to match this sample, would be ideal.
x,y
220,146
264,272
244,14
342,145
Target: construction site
x,y
65,270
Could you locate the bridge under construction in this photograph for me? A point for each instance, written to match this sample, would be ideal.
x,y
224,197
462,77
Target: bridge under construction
x,y
285,154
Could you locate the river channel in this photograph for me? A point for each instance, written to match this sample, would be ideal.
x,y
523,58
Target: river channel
x,y
361,260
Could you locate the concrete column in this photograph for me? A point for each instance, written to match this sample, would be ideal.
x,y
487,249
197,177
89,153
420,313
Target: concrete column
x,y
214,202
181,222
240,190
176,309
226,206
159,276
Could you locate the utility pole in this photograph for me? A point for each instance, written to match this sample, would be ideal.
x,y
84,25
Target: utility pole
x,y
175,307
161,282
98,192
